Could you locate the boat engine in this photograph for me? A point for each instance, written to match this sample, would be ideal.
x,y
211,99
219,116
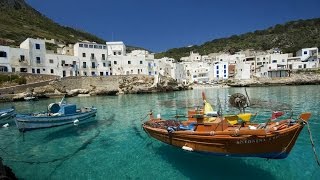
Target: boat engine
x,y
239,101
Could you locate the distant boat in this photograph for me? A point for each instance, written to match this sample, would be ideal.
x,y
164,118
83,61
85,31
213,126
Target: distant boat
x,y
30,98
6,114
58,114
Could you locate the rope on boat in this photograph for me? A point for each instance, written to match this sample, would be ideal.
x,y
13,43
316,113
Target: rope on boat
x,y
312,143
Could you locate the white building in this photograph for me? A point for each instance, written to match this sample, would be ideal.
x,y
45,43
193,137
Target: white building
x,y
116,48
308,54
220,71
242,71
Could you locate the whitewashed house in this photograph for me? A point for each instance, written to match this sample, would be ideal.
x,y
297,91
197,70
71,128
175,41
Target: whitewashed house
x,y
5,59
93,59
136,62
220,71
117,48
243,71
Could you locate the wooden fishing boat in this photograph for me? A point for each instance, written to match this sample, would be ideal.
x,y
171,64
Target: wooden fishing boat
x,y
58,114
219,135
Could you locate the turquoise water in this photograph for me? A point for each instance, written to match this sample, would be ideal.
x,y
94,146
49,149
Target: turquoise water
x,y
114,146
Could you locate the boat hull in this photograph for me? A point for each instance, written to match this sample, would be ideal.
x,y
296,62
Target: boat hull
x,y
271,145
6,115
28,122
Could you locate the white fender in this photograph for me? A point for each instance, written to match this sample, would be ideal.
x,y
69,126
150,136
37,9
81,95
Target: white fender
x,y
75,122
187,148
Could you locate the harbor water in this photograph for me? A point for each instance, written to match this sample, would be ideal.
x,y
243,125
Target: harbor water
x,y
113,145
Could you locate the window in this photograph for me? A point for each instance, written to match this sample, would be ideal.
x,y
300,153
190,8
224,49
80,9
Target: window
x,y
38,60
119,53
104,64
38,71
13,69
100,47
305,52
51,61
283,60
129,62
80,45
63,62
37,46
141,62
225,71
114,62
84,65
224,66
90,46
217,67
274,61
85,73
101,73
104,47
85,45
44,70
114,53
51,71
96,46
93,65
83,54
217,72
3,54
103,57
21,58
33,71
92,56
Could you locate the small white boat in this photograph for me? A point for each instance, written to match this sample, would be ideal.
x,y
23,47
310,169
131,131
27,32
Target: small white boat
x,y
30,98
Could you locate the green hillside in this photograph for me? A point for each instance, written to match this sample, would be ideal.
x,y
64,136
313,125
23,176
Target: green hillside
x,y
289,37
19,21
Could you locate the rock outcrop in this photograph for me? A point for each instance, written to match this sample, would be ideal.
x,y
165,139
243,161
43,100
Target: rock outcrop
x,y
294,79
94,86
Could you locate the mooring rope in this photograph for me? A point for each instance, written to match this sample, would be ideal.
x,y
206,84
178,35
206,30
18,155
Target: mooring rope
x,y
312,143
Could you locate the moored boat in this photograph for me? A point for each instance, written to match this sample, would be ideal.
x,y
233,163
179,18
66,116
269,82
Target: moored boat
x,y
222,135
6,114
58,114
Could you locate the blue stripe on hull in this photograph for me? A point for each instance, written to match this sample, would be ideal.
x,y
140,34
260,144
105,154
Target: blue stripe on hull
x,y
274,155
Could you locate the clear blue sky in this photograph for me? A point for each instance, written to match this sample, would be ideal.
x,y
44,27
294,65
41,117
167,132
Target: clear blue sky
x,y
159,25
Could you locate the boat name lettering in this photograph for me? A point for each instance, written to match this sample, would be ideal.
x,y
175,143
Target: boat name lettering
x,y
251,141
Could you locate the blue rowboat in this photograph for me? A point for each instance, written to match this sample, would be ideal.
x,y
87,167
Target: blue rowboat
x,y
58,114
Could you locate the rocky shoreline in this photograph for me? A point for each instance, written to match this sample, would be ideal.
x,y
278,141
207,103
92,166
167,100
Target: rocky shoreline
x,y
294,79
95,86
136,84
